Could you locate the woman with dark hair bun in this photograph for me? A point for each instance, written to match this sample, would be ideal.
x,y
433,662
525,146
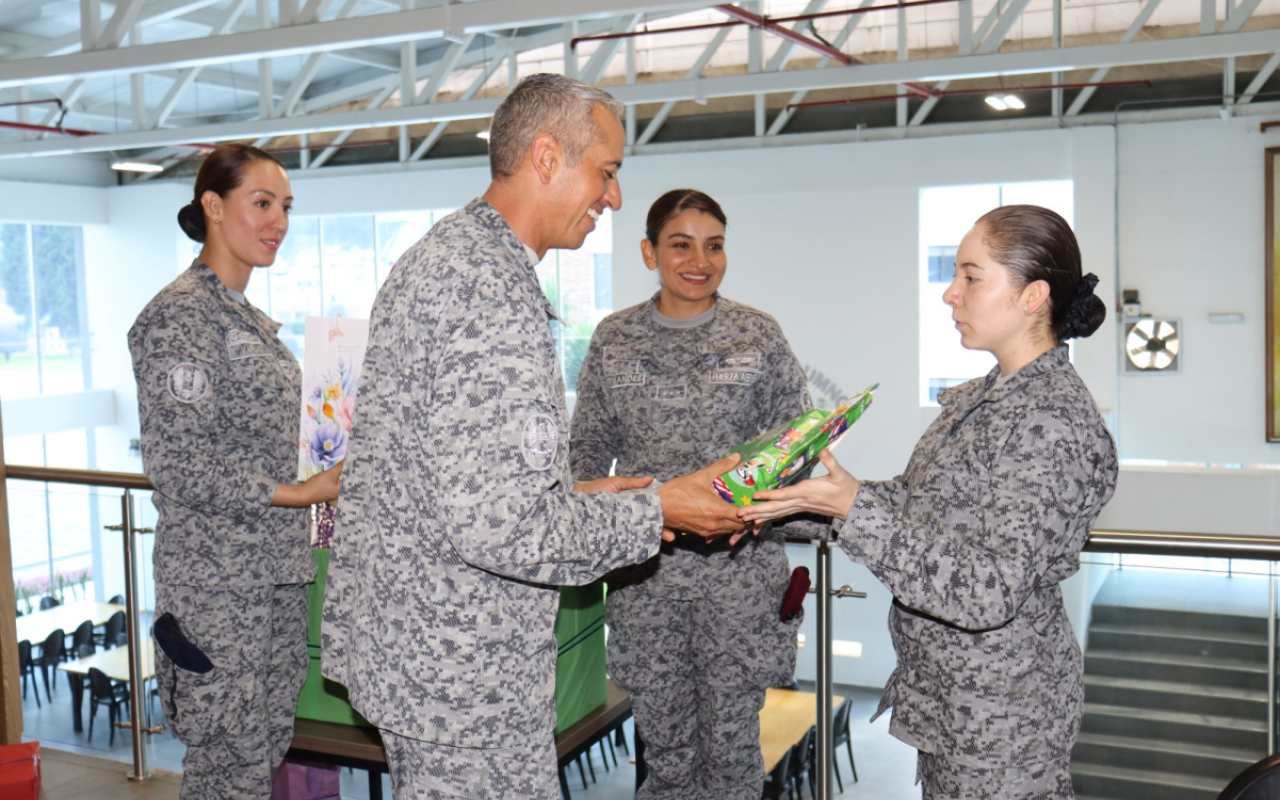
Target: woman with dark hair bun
x,y
988,519
218,401
695,635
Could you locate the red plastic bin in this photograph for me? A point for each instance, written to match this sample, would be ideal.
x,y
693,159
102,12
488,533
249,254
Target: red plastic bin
x,y
20,771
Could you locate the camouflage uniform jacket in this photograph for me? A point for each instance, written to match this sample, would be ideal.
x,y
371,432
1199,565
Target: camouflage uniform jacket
x,y
219,402
457,514
665,399
973,540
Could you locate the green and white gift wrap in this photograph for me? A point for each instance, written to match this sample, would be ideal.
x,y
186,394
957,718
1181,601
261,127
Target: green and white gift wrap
x,y
784,454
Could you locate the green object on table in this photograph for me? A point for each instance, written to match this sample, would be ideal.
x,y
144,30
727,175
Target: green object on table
x,y
321,698
580,668
787,453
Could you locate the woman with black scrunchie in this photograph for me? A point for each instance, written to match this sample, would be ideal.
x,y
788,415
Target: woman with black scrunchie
x,y
988,519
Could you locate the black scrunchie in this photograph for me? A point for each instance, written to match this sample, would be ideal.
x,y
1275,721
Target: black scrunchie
x,y
1085,313
1085,287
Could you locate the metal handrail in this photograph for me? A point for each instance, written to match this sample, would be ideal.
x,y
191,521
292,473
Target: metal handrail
x,y
80,477
1203,545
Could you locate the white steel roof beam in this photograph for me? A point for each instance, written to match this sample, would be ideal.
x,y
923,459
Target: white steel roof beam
x,y
608,49
1154,51
342,137
380,29
90,23
307,74
1239,15
475,57
1261,78
998,32
162,111
1099,75
695,73
122,21
782,55
70,42
785,115
443,67
433,137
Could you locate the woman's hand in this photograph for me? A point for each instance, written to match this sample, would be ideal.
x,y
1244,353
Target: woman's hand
x,y
321,488
832,495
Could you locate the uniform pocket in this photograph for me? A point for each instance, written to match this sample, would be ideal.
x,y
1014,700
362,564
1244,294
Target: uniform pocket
x,y
202,708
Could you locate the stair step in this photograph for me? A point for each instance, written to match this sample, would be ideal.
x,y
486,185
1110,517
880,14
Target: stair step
x,y
1187,698
1162,755
1173,726
1182,620
1176,668
1134,784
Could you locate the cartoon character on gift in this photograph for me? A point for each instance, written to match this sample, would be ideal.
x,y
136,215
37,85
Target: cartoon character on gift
x,y
786,439
793,467
836,426
747,472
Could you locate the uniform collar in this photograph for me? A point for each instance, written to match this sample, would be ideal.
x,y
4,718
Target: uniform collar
x,y
489,217
230,297
986,390
663,321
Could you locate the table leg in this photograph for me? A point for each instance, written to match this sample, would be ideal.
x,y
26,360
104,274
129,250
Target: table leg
x,y
375,785
77,693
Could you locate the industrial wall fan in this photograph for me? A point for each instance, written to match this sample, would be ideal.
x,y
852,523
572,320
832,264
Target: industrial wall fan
x,y
1151,345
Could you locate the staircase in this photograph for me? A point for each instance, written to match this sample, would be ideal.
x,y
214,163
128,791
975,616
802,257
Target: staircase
x,y
1175,703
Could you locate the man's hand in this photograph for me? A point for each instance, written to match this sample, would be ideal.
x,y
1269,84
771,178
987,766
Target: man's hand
x,y
690,504
612,484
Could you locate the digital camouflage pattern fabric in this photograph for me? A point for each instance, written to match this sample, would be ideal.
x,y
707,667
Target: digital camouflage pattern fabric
x,y
694,633
458,517
218,400
973,540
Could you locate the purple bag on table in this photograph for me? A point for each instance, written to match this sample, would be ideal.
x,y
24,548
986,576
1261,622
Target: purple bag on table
x,y
302,780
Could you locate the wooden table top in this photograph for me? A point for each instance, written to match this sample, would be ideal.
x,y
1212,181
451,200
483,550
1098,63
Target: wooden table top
x,y
114,663
786,715
37,626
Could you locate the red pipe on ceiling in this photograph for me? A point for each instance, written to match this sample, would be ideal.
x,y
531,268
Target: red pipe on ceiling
x,y
25,126
949,92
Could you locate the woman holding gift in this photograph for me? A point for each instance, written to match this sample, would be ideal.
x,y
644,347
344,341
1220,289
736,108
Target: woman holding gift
x,y
675,382
988,519
219,399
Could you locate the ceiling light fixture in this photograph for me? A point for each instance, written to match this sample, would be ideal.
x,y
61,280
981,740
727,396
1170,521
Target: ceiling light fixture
x,y
135,166
1004,102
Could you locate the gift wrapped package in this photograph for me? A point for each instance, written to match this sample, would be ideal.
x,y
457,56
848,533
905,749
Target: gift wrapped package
x,y
786,453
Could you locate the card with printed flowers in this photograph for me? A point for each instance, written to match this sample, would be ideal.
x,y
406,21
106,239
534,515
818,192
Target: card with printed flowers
x,y
332,356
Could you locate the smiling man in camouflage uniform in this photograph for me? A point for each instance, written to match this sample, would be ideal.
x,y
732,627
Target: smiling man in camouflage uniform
x,y
459,515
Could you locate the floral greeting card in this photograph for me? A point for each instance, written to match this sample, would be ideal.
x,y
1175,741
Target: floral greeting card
x,y
333,354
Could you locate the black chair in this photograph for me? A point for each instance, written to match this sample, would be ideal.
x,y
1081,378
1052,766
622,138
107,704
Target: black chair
x,y
48,602
104,691
839,736
802,762
117,600
83,635
777,784
114,627
50,654
26,666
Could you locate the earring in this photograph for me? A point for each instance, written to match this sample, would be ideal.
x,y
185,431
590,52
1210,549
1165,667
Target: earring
x,y
1026,309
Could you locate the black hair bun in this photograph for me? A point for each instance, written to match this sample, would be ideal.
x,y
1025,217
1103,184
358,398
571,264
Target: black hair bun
x,y
191,220
1086,312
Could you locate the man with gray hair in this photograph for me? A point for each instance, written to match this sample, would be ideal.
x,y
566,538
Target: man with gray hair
x,y
459,516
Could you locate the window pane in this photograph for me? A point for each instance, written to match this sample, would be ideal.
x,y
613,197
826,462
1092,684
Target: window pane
x,y
18,375
942,264
396,234
295,281
347,263
57,271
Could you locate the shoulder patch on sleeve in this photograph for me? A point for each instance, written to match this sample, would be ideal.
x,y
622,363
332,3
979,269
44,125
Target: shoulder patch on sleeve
x,y
540,441
188,382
